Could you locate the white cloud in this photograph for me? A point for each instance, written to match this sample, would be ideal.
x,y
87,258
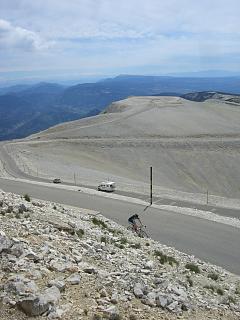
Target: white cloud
x,y
17,37
93,34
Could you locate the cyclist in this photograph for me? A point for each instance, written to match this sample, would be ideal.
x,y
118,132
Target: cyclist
x,y
133,220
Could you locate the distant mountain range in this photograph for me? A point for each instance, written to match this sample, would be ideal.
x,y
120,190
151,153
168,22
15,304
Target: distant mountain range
x,y
26,109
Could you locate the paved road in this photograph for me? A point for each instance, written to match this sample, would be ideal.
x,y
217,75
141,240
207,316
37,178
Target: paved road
x,y
213,242
14,170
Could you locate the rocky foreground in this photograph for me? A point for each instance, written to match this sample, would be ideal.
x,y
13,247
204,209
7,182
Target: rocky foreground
x,y
58,262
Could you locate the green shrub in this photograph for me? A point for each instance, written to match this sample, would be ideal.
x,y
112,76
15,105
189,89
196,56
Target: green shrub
x,y
135,245
123,241
26,197
103,239
213,276
210,287
163,258
192,267
80,233
99,223
231,299
220,291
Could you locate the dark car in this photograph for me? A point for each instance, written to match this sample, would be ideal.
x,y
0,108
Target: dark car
x,y
57,180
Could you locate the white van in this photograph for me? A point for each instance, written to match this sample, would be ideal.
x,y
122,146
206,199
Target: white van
x,y
108,186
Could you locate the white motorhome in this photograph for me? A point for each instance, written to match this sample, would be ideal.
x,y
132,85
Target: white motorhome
x,y
108,186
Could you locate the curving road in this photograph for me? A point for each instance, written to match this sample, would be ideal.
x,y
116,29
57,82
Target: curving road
x,y
210,241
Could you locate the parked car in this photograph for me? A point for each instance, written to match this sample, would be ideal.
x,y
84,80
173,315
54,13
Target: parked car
x,y
107,186
57,180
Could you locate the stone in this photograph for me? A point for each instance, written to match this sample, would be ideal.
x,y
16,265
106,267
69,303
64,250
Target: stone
x,y
17,250
174,307
114,298
5,243
58,283
74,279
161,301
33,306
22,208
138,291
51,295
149,265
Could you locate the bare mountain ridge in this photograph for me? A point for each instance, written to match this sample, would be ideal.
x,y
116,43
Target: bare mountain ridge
x,y
192,146
46,104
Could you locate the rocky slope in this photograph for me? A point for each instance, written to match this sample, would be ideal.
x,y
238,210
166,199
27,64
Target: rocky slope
x,y
62,263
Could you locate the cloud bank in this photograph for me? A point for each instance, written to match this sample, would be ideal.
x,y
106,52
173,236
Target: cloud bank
x,y
111,36
16,37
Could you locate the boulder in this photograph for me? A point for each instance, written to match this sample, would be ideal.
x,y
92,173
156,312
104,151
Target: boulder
x,y
74,279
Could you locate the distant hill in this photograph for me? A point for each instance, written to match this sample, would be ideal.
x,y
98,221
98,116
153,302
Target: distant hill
x,y
205,95
28,109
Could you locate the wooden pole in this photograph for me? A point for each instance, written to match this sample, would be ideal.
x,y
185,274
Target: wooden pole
x,y
151,200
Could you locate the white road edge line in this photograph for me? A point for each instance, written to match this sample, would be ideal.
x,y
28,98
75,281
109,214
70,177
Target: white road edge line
x,y
207,215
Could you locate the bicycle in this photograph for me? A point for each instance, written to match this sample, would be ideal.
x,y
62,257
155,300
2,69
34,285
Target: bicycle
x,y
139,231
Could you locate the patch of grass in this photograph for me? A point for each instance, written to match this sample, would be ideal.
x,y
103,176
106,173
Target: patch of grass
x,y
27,197
103,239
220,291
123,241
190,281
18,215
214,276
135,245
80,233
163,258
103,225
231,300
192,267
210,287
98,222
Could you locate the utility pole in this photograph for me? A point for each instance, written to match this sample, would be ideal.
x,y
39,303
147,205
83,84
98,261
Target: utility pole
x,y
207,196
151,186
74,178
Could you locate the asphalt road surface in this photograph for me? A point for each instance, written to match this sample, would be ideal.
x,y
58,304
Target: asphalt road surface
x,y
15,171
213,242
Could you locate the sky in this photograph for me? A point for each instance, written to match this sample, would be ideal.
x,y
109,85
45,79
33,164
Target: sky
x,y
73,39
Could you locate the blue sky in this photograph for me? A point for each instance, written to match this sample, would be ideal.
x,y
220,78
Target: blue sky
x,y
68,39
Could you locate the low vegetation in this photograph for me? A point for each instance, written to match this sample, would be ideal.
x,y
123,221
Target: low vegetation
x,y
27,197
213,276
193,267
80,233
163,258
103,225
218,290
